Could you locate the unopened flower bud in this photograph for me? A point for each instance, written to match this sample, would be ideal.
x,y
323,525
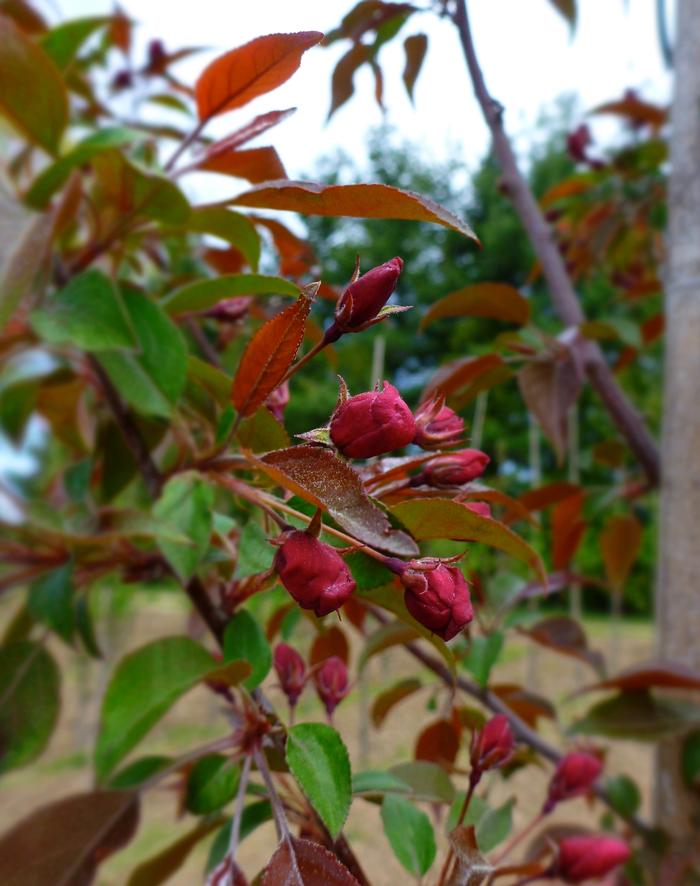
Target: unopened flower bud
x,y
437,425
437,596
491,746
574,776
589,857
361,302
331,681
277,401
372,423
291,671
313,572
453,469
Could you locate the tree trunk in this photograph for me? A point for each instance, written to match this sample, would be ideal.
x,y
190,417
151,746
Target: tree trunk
x,y
678,580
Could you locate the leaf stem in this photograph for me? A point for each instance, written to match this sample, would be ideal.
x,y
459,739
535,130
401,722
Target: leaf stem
x,y
517,838
302,361
278,812
462,814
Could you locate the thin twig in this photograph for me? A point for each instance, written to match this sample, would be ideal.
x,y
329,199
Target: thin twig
x,y
278,812
564,299
236,821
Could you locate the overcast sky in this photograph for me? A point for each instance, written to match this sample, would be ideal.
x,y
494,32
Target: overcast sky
x,y
527,54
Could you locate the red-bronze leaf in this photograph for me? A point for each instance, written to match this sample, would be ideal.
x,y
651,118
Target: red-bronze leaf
x,y
566,636
268,356
619,543
388,699
438,743
251,130
254,165
415,48
328,643
650,674
567,529
314,864
342,82
496,301
354,201
459,374
320,478
296,255
239,76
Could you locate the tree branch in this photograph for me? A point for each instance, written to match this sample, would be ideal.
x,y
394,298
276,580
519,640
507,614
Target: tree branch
x,y
626,418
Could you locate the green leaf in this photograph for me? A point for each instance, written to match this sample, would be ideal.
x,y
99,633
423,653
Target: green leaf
x,y
639,715
319,762
51,600
62,43
216,383
33,95
85,627
482,656
51,179
143,687
255,553
378,782
232,227
492,825
262,432
410,834
245,640
253,816
29,702
427,781
690,760
153,379
88,313
204,294
428,518
624,795
185,505
134,774
212,782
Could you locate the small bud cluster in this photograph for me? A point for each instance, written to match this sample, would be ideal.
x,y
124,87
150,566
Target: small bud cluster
x,y
330,677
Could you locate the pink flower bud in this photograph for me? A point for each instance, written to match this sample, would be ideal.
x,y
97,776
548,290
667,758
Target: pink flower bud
x,y
277,401
437,425
362,301
575,775
589,857
454,468
314,573
478,507
331,681
372,423
493,745
291,671
437,596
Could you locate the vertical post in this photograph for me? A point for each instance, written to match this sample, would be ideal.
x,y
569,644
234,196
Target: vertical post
x,y
678,578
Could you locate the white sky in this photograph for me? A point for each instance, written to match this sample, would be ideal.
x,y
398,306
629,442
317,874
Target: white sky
x,y
525,49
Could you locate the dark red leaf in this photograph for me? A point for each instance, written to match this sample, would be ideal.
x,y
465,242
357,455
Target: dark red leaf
x,y
296,255
327,482
567,529
458,374
496,301
650,674
566,636
64,842
342,86
251,130
619,542
315,864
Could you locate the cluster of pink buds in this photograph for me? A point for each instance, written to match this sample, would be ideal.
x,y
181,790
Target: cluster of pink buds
x,y
330,677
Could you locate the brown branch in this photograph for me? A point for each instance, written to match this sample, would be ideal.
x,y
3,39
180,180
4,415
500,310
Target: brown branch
x,y
132,436
564,299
